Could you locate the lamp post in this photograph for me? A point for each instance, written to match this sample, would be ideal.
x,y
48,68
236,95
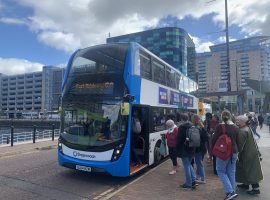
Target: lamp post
x,y
227,46
236,75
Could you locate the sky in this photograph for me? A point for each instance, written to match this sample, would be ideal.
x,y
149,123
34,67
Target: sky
x,y
37,33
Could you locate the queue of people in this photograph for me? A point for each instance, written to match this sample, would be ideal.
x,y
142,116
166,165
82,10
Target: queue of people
x,y
230,146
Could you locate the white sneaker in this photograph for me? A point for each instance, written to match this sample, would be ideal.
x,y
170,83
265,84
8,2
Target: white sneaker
x,y
172,172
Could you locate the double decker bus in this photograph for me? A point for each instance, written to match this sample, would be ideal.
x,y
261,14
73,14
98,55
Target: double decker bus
x,y
102,88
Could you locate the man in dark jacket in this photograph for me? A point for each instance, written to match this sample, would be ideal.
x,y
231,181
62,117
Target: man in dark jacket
x,y
261,120
186,153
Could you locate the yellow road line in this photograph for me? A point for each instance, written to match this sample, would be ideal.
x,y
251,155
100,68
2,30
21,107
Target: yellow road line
x,y
103,194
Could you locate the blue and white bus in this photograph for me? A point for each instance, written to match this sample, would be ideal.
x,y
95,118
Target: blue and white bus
x,y
103,86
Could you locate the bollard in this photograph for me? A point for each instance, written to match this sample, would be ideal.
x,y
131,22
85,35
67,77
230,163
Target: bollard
x,y
7,140
11,137
34,134
53,132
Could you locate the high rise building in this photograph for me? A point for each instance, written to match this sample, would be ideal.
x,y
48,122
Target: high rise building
x,y
51,87
21,93
30,93
171,44
249,58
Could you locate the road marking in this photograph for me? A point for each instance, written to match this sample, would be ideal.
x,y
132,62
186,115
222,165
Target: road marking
x,y
103,194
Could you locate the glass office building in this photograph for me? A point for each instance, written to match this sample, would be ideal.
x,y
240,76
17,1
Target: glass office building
x,y
171,44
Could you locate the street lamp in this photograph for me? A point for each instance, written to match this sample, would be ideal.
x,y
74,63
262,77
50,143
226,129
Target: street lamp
x,y
227,46
236,75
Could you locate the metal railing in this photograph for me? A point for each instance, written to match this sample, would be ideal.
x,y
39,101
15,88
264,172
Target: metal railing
x,y
9,137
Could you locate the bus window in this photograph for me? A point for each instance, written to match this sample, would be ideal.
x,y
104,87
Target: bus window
x,y
177,80
159,119
159,72
170,78
145,64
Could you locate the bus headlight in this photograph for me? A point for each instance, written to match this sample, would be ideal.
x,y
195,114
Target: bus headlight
x,y
117,152
60,146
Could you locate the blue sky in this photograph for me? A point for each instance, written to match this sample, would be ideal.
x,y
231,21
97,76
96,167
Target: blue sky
x,y
36,33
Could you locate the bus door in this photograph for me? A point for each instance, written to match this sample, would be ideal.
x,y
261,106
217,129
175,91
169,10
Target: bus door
x,y
139,136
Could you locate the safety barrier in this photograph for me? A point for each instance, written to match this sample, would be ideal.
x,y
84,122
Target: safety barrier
x,y
9,137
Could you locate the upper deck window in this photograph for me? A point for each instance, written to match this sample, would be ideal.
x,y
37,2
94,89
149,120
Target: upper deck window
x,y
145,65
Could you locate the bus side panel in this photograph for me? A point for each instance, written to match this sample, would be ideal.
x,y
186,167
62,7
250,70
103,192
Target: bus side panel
x,y
132,81
154,138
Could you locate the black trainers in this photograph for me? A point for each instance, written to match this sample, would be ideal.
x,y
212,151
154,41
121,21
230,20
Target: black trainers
x,y
253,192
185,186
243,186
231,195
194,184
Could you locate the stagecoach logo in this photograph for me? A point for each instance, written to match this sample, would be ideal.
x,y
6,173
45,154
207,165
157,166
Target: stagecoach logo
x,y
81,155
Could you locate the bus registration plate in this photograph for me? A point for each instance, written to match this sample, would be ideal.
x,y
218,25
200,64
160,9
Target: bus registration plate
x,y
83,168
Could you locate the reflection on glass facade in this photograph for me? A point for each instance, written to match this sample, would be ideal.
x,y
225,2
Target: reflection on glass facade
x,y
171,44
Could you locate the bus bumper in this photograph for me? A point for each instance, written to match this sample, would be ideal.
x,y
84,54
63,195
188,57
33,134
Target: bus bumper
x,y
119,167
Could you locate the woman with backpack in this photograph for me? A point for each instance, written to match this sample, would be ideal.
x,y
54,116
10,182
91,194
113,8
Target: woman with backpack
x,y
201,150
225,148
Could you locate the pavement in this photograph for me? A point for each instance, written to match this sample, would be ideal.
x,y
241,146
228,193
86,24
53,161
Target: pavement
x,y
157,184
25,148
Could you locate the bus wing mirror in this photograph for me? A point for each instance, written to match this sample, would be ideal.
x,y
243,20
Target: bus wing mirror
x,y
124,108
128,98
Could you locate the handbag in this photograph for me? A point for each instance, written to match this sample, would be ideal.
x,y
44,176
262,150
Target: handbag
x,y
162,148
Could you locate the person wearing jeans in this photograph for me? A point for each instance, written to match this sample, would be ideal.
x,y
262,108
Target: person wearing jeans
x,y
201,150
189,172
200,168
185,153
226,168
226,171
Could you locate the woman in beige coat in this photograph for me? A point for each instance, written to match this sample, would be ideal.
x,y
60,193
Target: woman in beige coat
x,y
248,167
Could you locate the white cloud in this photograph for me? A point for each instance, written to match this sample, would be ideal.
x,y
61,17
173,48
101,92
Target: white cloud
x,y
69,24
11,66
65,41
222,39
201,46
252,16
8,20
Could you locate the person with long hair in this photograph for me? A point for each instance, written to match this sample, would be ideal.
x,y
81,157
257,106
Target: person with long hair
x,y
200,151
226,168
